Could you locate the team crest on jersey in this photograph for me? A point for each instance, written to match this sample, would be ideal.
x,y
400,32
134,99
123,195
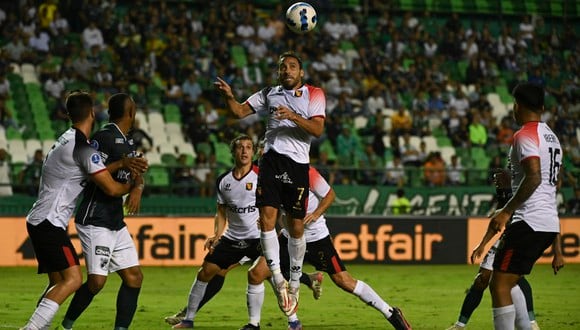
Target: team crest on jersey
x,y
94,144
297,93
273,109
95,158
119,141
249,185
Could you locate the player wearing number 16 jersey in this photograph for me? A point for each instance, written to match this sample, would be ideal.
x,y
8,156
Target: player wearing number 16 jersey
x,y
535,158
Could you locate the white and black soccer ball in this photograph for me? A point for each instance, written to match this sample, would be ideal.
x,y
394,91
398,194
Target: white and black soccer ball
x,y
301,17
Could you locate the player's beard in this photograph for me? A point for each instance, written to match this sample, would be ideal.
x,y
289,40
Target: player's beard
x,y
290,84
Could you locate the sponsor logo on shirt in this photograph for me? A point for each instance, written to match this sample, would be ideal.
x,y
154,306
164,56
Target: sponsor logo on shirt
x,y
242,210
119,141
228,187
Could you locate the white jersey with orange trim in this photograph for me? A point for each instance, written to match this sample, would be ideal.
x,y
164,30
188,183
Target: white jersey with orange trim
x,y
239,197
319,188
536,139
64,173
284,136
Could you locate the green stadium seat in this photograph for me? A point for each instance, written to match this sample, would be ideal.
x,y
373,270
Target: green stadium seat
x,y
223,154
158,178
239,56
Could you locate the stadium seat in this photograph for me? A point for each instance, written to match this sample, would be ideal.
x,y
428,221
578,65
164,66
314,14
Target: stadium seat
x,y
157,177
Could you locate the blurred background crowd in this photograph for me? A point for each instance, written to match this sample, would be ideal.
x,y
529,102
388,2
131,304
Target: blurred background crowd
x,y
414,97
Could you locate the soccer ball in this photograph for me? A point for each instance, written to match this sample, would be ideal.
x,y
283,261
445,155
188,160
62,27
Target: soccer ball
x,y
301,17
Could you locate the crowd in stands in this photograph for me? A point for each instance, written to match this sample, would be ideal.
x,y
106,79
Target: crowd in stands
x,y
411,75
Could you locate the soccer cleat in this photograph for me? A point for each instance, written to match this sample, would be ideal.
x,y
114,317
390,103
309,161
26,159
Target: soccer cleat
x,y
534,325
398,320
175,318
184,324
250,326
293,294
456,327
295,325
316,286
283,297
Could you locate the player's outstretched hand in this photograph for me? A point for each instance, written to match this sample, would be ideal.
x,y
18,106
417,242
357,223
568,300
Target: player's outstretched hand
x,y
210,243
557,263
477,252
223,87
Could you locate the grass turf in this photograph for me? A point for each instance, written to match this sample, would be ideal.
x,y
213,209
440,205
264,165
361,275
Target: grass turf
x,y
430,297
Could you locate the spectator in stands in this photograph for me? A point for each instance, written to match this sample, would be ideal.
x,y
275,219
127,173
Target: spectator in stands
x,y
5,181
455,172
473,73
394,172
204,173
173,92
369,165
527,29
83,67
29,177
459,101
54,85
104,80
401,122
346,147
332,27
434,170
17,50
409,153
39,42
92,36
477,132
375,102
191,90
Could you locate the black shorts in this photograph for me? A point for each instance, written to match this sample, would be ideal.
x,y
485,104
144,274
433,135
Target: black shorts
x,y
520,247
321,254
283,183
52,247
228,252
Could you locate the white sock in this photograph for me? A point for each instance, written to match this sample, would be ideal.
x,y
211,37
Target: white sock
x,y
522,317
296,251
195,295
371,298
255,300
293,318
271,250
504,318
43,315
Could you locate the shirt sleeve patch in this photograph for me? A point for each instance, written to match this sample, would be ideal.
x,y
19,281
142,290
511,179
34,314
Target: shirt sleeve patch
x,y
95,158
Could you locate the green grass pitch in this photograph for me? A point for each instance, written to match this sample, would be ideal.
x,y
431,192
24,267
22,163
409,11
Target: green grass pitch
x,y
430,297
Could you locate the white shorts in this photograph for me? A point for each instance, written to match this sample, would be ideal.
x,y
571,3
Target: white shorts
x,y
107,251
487,262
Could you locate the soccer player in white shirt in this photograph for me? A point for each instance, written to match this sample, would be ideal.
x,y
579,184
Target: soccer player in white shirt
x,y
323,256
67,167
236,207
535,159
296,114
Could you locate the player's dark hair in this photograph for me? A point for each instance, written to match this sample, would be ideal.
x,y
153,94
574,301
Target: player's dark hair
x,y
79,105
239,138
117,106
529,95
290,54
